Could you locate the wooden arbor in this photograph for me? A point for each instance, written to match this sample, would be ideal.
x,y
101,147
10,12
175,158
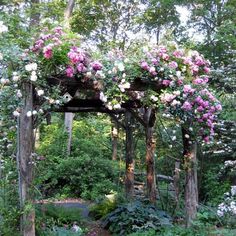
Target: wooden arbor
x,y
74,88
131,109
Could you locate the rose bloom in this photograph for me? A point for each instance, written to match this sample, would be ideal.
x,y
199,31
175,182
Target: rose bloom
x,y
96,65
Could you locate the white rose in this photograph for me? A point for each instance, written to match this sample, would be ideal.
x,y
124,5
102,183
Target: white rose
x,y
33,76
28,67
34,66
40,92
15,78
103,97
3,28
121,66
117,106
178,73
16,113
89,74
3,81
187,136
19,94
154,98
29,113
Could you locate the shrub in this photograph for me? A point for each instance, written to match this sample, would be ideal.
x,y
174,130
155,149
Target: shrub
x,y
49,216
60,231
145,233
105,205
84,176
212,187
207,216
136,216
227,209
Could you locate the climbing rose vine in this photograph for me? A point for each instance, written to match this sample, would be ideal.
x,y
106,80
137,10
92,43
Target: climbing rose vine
x,y
176,79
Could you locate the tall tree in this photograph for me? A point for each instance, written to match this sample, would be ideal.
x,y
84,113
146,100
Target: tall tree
x,y
107,21
160,15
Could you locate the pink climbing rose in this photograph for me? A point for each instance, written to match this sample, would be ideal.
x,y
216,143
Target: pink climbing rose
x,y
187,106
70,71
47,51
96,65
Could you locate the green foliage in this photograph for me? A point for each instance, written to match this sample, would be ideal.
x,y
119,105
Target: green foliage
x,y
9,220
87,173
105,205
87,177
212,187
9,205
52,141
134,217
60,231
49,215
91,135
181,231
207,216
84,176
145,233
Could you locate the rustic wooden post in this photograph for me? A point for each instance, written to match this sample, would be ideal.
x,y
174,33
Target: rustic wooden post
x,y
149,117
191,189
176,180
129,158
24,160
114,139
69,116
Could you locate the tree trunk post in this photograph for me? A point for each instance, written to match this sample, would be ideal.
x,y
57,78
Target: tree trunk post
x,y
25,162
114,139
129,158
191,188
149,117
176,181
69,116
68,12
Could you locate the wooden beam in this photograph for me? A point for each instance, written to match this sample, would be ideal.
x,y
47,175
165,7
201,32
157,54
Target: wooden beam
x,y
71,85
87,109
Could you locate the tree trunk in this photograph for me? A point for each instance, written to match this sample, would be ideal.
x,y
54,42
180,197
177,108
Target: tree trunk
x,y
68,125
68,12
129,174
150,158
114,139
176,182
191,189
158,31
35,15
24,161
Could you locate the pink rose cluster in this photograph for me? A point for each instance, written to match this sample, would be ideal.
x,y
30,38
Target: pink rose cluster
x,y
47,42
204,107
160,61
78,62
196,103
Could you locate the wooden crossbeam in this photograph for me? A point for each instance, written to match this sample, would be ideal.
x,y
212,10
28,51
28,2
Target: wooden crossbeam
x,y
71,85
